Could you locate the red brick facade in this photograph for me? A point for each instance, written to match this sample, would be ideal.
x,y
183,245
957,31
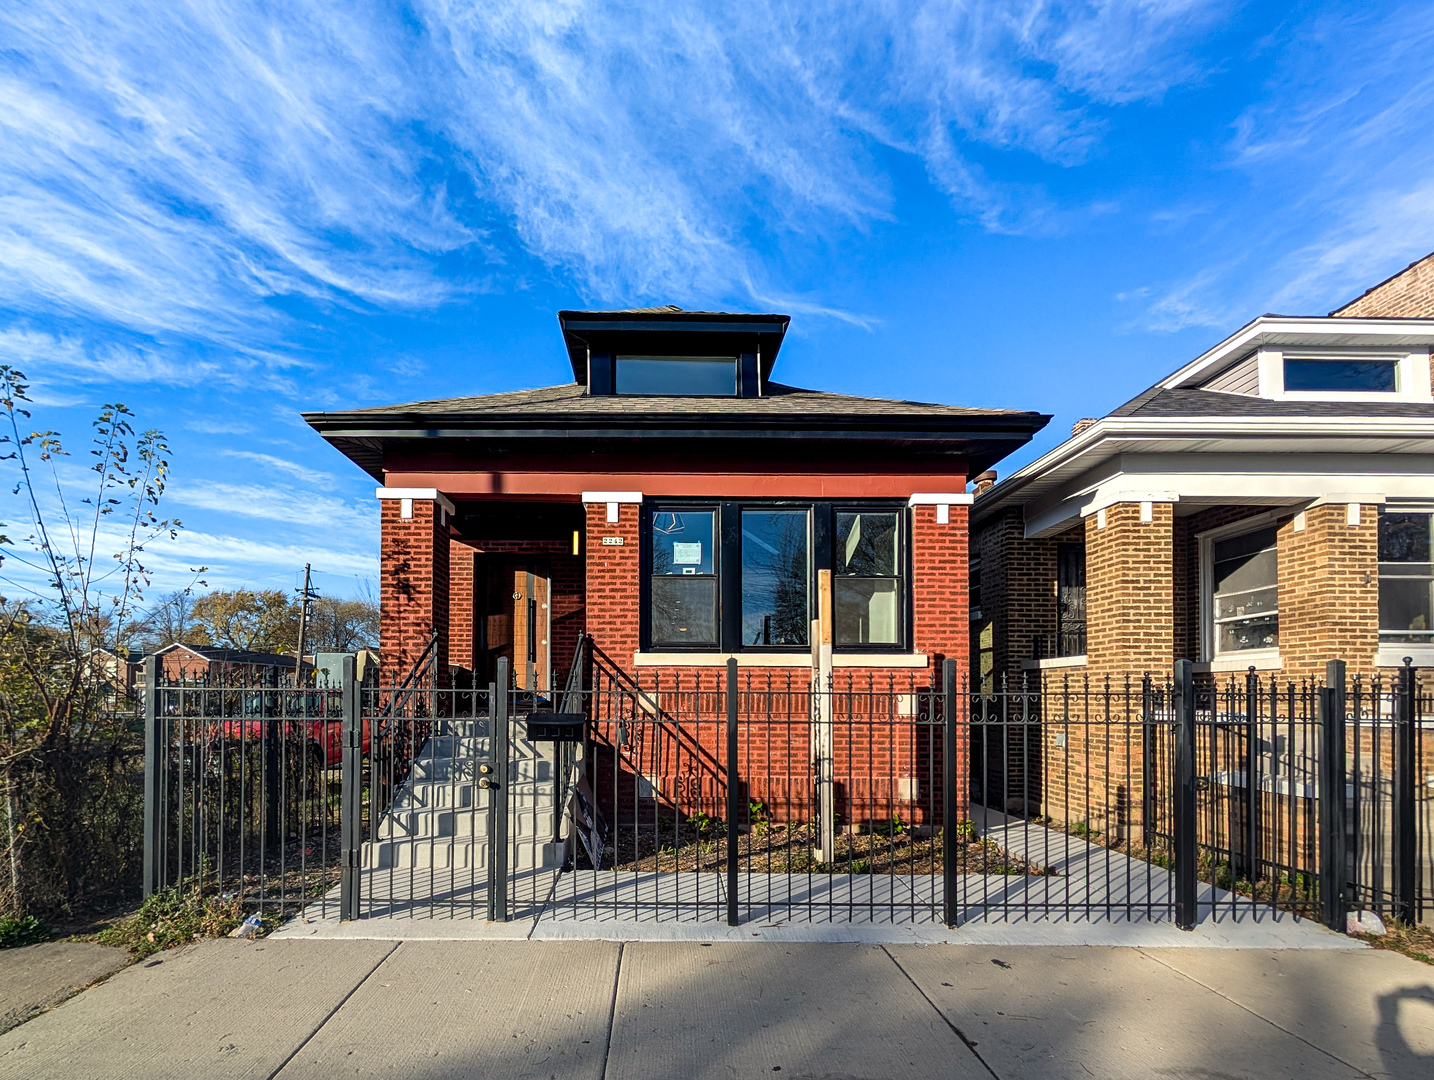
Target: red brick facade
x,y
413,583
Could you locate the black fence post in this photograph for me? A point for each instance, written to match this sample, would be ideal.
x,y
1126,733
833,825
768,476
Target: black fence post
x,y
1406,837
273,705
350,797
1147,762
1186,848
1333,810
949,824
734,782
498,799
1252,777
154,786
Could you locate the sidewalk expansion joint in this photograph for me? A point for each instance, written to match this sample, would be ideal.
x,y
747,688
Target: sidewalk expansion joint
x,y
970,1045
1258,1016
331,1013
612,1012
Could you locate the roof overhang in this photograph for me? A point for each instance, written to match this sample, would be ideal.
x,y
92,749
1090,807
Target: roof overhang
x,y
661,330
1066,476
366,439
1270,331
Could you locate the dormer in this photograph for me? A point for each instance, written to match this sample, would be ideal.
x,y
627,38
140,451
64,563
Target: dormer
x,y
1318,360
668,352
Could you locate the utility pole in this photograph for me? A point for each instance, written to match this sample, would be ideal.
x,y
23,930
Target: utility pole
x,y
306,595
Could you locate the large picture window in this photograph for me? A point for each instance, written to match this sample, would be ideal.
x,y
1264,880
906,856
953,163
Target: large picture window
x,y
1244,603
683,579
1406,579
776,576
742,576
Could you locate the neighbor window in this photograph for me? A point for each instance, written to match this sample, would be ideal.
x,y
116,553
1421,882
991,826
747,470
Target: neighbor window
x,y
743,576
1406,579
866,585
1374,376
683,581
1245,592
676,376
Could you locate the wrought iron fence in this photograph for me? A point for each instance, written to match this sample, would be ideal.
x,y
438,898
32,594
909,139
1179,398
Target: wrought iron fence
x,y
746,796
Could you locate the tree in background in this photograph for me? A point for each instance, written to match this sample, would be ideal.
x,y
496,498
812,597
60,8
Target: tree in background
x,y
68,745
168,622
342,625
255,621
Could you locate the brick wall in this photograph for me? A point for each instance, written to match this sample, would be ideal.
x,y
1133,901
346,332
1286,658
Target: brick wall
x,y
1329,590
1407,295
1018,600
462,614
1130,590
413,584
882,766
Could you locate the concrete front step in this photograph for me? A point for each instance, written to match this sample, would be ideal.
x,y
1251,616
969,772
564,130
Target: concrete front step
x,y
457,855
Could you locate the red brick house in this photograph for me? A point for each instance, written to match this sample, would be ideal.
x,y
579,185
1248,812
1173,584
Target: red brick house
x,y
676,504
1267,505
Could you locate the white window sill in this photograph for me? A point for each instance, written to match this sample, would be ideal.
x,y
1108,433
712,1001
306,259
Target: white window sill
x,y
1393,655
1259,659
1053,662
778,660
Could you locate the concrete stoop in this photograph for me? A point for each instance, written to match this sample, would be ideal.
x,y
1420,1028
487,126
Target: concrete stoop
x,y
439,818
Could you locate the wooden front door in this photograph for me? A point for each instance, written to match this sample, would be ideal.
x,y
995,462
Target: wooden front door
x,y
516,622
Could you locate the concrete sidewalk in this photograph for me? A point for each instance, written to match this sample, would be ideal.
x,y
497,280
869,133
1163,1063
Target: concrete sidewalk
x,y
426,1010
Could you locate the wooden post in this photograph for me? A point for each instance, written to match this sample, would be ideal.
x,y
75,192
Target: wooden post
x,y
823,745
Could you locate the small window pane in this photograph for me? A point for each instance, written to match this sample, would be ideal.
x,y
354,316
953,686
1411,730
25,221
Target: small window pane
x,y
682,543
1406,579
866,611
1246,592
1245,562
775,607
866,544
1404,538
1260,633
1358,375
677,376
684,611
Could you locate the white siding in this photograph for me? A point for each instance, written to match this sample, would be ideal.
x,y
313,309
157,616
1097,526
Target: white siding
x,y
1242,378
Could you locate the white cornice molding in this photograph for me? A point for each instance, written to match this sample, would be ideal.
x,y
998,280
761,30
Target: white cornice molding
x,y
417,493
612,496
938,498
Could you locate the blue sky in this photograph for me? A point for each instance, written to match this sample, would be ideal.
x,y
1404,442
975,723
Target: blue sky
x,y
222,214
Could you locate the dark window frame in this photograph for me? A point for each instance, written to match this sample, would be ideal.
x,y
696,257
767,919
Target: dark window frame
x,y
649,511
728,553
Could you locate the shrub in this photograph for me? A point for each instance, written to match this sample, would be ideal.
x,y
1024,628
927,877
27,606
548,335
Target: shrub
x,y
22,930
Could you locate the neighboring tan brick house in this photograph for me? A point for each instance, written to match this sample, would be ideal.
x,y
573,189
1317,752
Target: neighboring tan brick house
x,y
1268,505
679,507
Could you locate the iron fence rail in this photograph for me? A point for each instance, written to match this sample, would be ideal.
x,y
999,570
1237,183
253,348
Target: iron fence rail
x,y
757,796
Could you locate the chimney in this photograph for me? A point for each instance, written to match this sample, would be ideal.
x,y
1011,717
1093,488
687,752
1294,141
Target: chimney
x,y
1082,424
986,481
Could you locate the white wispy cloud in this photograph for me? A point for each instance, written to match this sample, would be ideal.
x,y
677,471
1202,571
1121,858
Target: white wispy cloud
x,y
172,169
314,477
1337,156
301,508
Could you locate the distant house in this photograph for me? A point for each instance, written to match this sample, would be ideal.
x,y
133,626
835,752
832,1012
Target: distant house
x,y
179,664
1267,505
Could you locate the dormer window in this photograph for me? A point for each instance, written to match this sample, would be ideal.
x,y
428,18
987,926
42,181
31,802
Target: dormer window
x,y
676,376
1341,375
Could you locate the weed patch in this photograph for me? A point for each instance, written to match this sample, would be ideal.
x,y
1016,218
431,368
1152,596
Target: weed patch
x,y
174,917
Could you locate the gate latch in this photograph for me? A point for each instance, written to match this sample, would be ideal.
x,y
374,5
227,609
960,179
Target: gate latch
x,y
486,780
